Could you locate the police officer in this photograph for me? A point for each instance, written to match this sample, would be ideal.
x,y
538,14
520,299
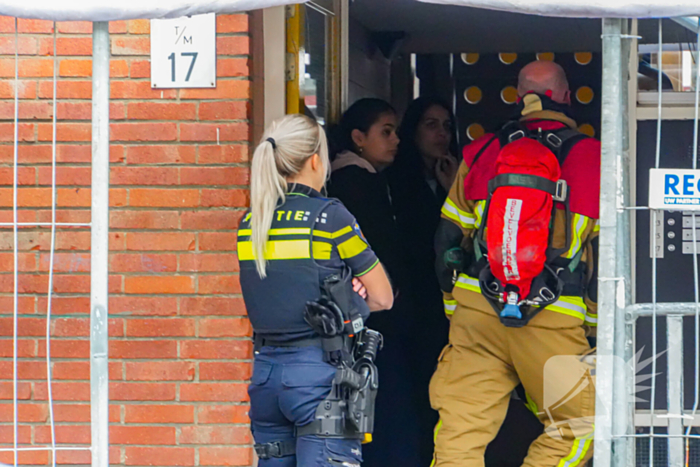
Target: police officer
x,y
290,241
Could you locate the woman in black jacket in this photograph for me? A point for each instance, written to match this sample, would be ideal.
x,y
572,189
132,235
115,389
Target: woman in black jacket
x,y
365,147
420,179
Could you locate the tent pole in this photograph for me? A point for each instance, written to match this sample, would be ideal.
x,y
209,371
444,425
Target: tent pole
x,y
99,253
614,273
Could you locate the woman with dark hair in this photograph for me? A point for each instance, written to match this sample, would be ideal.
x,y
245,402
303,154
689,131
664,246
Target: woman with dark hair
x,y
365,145
420,178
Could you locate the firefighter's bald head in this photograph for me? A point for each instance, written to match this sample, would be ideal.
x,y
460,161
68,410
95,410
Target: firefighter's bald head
x,y
545,78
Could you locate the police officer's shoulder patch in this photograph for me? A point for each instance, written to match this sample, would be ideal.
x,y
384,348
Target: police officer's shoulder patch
x,y
358,230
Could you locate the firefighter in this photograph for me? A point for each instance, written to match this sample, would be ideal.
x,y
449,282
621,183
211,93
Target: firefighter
x,y
494,343
290,242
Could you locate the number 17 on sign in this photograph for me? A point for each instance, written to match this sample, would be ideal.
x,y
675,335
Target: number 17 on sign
x,y
183,52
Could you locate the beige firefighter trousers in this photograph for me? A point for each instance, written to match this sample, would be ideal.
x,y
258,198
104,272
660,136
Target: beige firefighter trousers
x,y
483,364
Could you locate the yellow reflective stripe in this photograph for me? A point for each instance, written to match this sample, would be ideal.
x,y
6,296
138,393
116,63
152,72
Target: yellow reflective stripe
x,y
468,283
450,306
596,228
572,306
337,234
578,451
579,227
592,318
352,247
463,218
273,232
435,435
531,405
275,250
479,212
322,250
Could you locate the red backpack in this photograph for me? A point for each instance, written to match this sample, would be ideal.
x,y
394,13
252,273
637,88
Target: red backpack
x,y
519,271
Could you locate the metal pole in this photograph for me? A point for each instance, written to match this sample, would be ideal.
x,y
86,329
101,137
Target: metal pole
x,y
99,258
612,288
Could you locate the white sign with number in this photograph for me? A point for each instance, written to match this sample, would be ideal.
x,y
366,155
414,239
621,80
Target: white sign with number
x,y
183,52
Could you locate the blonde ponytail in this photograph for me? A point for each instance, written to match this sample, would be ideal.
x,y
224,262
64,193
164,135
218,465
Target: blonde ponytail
x,y
282,153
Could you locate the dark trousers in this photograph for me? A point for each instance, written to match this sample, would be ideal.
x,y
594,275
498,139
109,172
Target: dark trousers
x,y
286,387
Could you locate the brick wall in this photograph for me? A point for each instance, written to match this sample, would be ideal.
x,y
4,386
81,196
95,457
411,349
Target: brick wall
x,y
179,347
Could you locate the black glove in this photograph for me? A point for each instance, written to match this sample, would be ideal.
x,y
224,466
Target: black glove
x,y
324,317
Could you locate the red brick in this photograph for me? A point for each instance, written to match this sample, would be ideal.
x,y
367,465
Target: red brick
x,y
63,391
223,414
143,263
232,45
75,68
227,198
214,371
140,69
65,262
161,154
70,434
80,413
66,305
149,435
217,241
69,370
75,27
160,327
24,391
209,263
143,132
208,131
214,176
216,349
28,110
139,26
84,457
225,89
131,46
215,435
27,88
158,285
25,132
144,176
26,457
67,46
226,24
36,68
219,285
7,24
223,154
26,262
143,306
117,27
66,89
34,26
66,132
231,110
232,67
144,197
212,306
214,392
225,456
142,349
152,220
25,413
24,434
77,176
127,89
209,220
159,414
65,348
142,391
119,69
159,456
160,371
25,45
25,348
161,111
170,241
225,328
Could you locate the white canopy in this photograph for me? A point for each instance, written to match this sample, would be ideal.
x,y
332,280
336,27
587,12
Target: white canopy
x,y
587,8
112,10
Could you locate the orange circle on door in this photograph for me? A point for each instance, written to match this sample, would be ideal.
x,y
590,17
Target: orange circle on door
x,y
587,129
583,58
507,58
509,95
545,56
585,95
470,58
475,131
473,95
